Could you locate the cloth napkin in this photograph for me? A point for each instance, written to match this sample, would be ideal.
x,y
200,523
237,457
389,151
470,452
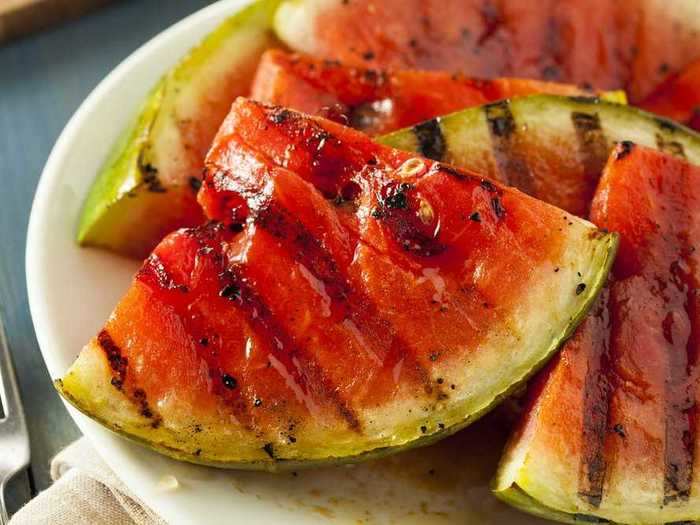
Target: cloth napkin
x,y
85,492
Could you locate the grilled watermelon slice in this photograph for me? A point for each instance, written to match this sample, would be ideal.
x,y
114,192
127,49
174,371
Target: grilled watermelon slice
x,y
148,185
678,97
609,45
611,431
347,301
378,101
551,147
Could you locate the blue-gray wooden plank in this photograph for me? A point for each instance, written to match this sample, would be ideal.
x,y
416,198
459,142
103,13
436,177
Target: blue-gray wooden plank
x,y
43,79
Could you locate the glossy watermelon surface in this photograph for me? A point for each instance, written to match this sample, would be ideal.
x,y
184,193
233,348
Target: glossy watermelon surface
x,y
346,301
611,432
609,45
678,97
379,101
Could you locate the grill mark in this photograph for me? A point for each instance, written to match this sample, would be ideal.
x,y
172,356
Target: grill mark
x,y
431,141
672,147
681,420
593,148
118,363
678,452
512,167
307,250
150,176
154,273
297,360
596,406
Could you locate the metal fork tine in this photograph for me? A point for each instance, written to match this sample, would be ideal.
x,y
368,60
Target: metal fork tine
x,y
9,392
14,438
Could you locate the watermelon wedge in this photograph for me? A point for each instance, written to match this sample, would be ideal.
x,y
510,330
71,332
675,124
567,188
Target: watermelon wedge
x,y
611,434
608,45
678,97
346,301
551,147
148,185
377,101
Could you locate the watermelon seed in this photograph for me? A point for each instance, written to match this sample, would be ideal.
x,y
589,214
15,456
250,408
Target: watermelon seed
x,y
411,168
476,217
619,430
488,185
257,402
231,292
623,149
229,381
423,429
426,212
269,450
580,288
195,183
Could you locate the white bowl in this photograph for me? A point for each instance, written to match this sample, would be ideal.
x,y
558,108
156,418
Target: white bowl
x,y
72,291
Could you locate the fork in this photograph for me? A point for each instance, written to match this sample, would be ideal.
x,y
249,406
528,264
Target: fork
x,y
14,438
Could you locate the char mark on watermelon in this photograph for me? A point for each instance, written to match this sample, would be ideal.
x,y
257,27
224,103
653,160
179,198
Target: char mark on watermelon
x,y
597,390
593,147
512,167
119,367
431,142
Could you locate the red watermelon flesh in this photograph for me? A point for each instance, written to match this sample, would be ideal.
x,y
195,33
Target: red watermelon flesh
x,y
391,222
377,101
611,430
609,45
678,97
347,300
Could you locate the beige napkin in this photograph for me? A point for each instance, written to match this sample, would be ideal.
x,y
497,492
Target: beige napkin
x,y
85,492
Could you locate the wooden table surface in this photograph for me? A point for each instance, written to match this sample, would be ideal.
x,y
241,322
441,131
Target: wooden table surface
x,y
43,80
